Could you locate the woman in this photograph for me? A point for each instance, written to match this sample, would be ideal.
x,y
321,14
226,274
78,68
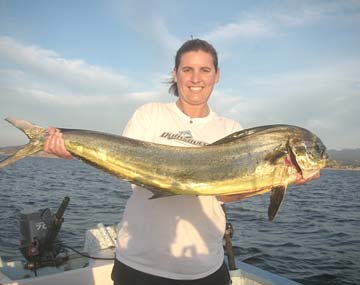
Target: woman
x,y
178,239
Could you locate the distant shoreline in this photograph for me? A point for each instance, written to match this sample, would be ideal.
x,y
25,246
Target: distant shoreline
x,y
342,168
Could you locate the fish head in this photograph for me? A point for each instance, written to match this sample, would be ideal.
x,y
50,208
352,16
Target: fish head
x,y
308,154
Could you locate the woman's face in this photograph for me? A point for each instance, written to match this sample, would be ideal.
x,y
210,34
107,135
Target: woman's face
x,y
196,77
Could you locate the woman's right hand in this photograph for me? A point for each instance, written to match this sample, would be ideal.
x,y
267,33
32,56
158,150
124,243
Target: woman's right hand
x,y
54,144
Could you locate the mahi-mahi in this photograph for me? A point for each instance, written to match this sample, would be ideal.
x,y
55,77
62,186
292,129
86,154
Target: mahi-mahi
x,y
244,164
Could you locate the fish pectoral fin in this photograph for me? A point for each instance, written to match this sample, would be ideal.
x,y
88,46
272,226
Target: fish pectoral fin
x,y
276,198
232,198
27,150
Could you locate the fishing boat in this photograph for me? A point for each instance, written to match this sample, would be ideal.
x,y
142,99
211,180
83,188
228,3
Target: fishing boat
x,y
47,261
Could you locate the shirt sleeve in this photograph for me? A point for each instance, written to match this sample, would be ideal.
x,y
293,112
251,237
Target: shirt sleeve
x,y
237,127
138,124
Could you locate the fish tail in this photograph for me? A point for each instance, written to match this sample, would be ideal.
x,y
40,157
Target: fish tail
x,y
36,135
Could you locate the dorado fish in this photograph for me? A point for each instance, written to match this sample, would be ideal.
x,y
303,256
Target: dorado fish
x,y
244,164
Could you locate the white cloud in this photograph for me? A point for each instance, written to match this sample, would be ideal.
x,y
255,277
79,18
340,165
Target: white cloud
x,y
273,19
165,38
145,18
66,90
145,96
74,74
248,29
65,100
325,100
43,87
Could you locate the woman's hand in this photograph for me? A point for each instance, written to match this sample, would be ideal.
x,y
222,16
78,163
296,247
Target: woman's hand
x,y
54,144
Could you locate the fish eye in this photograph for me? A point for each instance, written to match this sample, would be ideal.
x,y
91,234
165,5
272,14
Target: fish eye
x,y
321,149
317,148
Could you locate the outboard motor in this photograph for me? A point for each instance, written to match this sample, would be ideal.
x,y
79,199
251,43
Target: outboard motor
x,y
38,230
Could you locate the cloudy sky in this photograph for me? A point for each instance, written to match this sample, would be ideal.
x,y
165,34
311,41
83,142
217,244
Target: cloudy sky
x,y
89,64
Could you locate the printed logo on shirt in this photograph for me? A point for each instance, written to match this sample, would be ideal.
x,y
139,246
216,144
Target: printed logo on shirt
x,y
183,136
186,134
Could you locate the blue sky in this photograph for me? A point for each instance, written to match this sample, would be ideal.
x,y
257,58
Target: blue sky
x,y
90,64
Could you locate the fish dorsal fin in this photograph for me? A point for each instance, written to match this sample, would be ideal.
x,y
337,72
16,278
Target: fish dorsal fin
x,y
276,198
241,134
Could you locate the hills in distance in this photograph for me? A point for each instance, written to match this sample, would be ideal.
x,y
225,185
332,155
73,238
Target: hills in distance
x,y
345,158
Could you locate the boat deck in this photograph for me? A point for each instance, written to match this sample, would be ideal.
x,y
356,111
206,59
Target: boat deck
x,y
82,270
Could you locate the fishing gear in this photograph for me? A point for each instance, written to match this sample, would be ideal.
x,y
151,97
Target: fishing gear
x,y
229,232
38,240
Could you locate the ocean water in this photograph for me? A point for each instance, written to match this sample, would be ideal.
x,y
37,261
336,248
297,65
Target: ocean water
x,y
314,239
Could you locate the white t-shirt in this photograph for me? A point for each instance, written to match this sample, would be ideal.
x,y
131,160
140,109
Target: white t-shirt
x,y
177,237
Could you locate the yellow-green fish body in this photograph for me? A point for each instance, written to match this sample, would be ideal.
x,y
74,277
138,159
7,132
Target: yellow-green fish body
x,y
243,164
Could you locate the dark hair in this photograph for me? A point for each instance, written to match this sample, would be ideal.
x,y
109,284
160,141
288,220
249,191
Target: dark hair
x,y
192,45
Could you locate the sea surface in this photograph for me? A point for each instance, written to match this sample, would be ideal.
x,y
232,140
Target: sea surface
x,y
314,239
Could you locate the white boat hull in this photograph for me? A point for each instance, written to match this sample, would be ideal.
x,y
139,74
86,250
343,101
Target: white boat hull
x,y
81,270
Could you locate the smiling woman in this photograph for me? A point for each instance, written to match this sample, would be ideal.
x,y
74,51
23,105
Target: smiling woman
x,y
184,234
195,78
195,74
